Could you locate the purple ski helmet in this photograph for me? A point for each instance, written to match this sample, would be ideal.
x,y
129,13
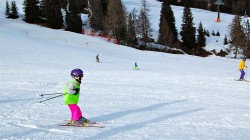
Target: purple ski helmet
x,y
76,72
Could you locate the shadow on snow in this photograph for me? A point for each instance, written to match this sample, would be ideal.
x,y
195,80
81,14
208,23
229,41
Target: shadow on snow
x,y
120,114
134,126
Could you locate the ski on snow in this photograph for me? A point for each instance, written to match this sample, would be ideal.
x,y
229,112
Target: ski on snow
x,y
88,124
242,80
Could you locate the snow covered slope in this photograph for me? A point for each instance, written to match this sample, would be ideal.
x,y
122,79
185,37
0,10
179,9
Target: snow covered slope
x,y
170,97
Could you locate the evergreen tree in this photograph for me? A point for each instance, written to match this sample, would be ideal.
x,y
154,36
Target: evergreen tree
x,y
207,33
225,40
238,38
53,14
31,10
188,30
204,31
213,33
73,19
201,41
131,36
7,9
167,32
247,51
13,11
166,35
42,11
115,21
218,33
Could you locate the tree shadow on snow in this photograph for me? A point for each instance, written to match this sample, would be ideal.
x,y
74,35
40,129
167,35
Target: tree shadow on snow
x,y
135,126
120,114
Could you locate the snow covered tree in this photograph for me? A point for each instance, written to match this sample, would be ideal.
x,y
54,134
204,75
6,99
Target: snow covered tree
x,y
31,10
7,9
188,30
53,14
238,38
167,32
13,11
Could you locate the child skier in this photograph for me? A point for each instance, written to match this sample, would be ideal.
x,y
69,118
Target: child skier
x,y
136,67
241,68
71,96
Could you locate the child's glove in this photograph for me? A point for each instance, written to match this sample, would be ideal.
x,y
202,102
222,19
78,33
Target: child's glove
x,y
77,90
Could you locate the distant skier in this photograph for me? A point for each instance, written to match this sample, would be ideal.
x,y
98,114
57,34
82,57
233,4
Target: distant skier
x,y
241,68
97,58
136,66
71,96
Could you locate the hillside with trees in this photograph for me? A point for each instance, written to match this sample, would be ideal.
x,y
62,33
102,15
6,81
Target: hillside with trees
x,y
229,6
133,28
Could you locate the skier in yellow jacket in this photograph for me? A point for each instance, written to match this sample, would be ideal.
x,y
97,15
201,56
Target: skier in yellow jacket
x,y
241,68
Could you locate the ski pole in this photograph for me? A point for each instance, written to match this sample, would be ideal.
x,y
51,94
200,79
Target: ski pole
x,y
49,94
51,98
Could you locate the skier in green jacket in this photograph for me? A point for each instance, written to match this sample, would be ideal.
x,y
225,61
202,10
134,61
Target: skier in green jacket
x,y
71,96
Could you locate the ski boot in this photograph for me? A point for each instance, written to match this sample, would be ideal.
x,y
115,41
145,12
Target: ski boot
x,y
84,120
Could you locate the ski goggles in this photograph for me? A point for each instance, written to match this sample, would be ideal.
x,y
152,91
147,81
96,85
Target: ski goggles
x,y
79,76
